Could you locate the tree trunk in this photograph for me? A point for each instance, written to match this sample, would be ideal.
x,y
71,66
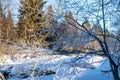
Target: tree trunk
x,y
113,65
114,69
2,77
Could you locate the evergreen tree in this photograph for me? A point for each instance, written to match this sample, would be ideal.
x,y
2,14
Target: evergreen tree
x,y
86,24
1,11
10,25
1,15
30,19
69,16
69,21
2,22
49,16
49,20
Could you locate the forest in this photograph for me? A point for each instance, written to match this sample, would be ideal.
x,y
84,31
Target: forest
x,y
59,39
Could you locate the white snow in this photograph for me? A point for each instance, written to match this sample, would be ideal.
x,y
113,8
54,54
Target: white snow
x,y
66,68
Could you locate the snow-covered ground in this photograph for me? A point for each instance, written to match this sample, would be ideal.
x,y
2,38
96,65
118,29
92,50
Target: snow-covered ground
x,y
30,64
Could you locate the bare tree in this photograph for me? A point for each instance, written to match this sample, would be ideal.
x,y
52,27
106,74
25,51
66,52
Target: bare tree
x,y
104,42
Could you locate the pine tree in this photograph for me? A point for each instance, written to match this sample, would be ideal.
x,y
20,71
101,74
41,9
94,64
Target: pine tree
x,y
10,25
70,22
2,22
30,19
1,15
69,16
49,16
86,24
1,11
49,20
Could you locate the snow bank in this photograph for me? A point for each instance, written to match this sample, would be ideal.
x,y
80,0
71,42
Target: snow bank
x,y
28,64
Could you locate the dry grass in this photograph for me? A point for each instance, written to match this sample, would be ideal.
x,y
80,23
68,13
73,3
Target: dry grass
x,y
3,50
33,43
7,50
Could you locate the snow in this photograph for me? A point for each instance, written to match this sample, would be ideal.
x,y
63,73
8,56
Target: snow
x,y
31,62
97,74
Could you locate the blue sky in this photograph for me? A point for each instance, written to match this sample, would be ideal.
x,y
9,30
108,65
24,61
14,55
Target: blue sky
x,y
50,2
16,3
14,8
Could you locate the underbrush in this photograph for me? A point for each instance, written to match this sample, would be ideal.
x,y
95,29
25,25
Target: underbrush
x,y
32,43
7,52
